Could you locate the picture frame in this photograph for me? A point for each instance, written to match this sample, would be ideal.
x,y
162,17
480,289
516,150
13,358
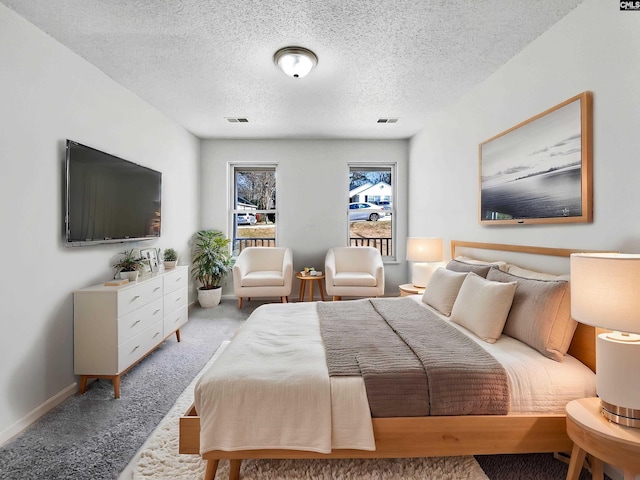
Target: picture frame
x,y
150,256
540,171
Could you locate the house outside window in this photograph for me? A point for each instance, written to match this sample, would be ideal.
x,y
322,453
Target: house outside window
x,y
253,206
371,207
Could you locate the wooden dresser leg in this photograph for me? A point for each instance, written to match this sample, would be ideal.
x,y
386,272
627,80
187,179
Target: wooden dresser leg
x,y
212,468
178,335
239,302
283,299
83,384
234,469
116,386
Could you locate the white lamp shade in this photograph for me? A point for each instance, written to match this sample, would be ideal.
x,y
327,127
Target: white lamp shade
x,y
424,249
605,290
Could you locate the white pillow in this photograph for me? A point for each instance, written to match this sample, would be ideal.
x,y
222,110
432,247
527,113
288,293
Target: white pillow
x,y
532,274
482,306
442,289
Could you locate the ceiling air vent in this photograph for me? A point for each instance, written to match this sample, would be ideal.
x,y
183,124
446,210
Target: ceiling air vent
x,y
237,120
388,120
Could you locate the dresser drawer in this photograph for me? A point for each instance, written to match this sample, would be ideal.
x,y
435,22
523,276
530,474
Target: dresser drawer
x,y
175,300
175,320
175,280
134,323
132,350
130,299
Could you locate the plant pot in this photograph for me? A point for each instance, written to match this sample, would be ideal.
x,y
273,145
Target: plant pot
x,y
170,264
209,298
131,276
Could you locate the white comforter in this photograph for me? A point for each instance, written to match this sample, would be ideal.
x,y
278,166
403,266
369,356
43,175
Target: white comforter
x,y
270,387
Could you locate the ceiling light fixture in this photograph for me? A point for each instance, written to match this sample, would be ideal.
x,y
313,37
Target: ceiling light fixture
x,y
296,62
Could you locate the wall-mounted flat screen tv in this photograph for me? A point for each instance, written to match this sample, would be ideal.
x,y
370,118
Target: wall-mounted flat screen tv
x,y
109,199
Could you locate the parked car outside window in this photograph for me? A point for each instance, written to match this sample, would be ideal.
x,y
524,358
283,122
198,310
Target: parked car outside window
x,y
385,204
365,211
246,219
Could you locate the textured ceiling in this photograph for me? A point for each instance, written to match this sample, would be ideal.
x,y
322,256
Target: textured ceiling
x,y
199,61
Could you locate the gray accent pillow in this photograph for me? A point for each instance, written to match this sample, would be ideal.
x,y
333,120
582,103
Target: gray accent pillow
x,y
458,266
540,315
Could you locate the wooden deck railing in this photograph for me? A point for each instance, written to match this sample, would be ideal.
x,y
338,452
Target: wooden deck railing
x,y
384,244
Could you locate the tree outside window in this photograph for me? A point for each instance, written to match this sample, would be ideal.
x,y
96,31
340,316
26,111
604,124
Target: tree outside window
x,y
253,213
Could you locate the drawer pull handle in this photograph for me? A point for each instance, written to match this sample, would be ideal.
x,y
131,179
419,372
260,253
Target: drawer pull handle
x,y
157,333
178,299
178,279
135,348
135,323
135,298
177,320
156,289
156,311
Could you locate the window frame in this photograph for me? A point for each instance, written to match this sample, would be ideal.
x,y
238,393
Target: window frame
x,y
392,167
233,196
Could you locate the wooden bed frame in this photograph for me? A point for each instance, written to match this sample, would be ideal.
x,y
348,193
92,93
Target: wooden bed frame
x,y
432,436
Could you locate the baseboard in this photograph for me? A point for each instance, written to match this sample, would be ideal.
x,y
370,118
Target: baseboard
x,y
37,412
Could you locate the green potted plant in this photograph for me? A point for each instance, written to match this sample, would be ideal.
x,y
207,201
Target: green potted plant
x,y
170,258
129,265
210,263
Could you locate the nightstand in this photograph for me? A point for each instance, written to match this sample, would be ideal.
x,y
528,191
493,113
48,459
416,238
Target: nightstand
x,y
409,289
604,441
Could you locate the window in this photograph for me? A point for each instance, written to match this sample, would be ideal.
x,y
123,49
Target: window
x,y
371,207
253,206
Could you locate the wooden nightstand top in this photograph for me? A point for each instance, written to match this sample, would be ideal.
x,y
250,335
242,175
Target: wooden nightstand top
x,y
606,441
410,289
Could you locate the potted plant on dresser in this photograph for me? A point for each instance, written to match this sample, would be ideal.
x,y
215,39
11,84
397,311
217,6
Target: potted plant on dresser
x,y
129,265
170,258
210,263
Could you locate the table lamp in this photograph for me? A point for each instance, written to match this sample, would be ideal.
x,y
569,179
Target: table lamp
x,y
421,251
605,292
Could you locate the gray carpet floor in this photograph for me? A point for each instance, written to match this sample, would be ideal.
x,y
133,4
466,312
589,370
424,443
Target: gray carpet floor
x,y
94,436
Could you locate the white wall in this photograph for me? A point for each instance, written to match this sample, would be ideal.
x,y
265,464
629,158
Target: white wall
x,y
313,192
49,94
597,48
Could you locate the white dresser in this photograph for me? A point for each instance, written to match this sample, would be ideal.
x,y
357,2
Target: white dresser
x,y
117,326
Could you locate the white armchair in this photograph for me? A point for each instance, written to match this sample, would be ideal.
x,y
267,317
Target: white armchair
x,y
354,272
263,272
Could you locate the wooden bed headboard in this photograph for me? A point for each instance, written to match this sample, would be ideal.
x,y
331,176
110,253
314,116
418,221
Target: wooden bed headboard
x,y
583,345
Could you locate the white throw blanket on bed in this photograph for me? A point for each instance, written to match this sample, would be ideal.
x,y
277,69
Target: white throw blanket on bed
x,y
270,389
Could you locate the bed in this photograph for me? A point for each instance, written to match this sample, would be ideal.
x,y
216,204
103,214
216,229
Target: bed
x,y
528,428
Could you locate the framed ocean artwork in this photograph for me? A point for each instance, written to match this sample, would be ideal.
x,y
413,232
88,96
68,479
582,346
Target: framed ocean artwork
x,y
540,171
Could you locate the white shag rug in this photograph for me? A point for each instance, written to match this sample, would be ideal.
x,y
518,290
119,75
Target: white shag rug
x,y
158,458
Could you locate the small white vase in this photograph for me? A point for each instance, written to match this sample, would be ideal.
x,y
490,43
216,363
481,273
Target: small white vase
x,y
131,276
168,265
209,298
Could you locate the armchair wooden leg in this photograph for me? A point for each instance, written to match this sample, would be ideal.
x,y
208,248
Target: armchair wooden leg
x,y
239,302
284,299
337,298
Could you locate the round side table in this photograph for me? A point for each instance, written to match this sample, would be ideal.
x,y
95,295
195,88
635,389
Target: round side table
x,y
310,279
409,289
605,441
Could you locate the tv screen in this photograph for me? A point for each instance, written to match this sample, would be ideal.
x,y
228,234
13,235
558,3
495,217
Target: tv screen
x,y
108,199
